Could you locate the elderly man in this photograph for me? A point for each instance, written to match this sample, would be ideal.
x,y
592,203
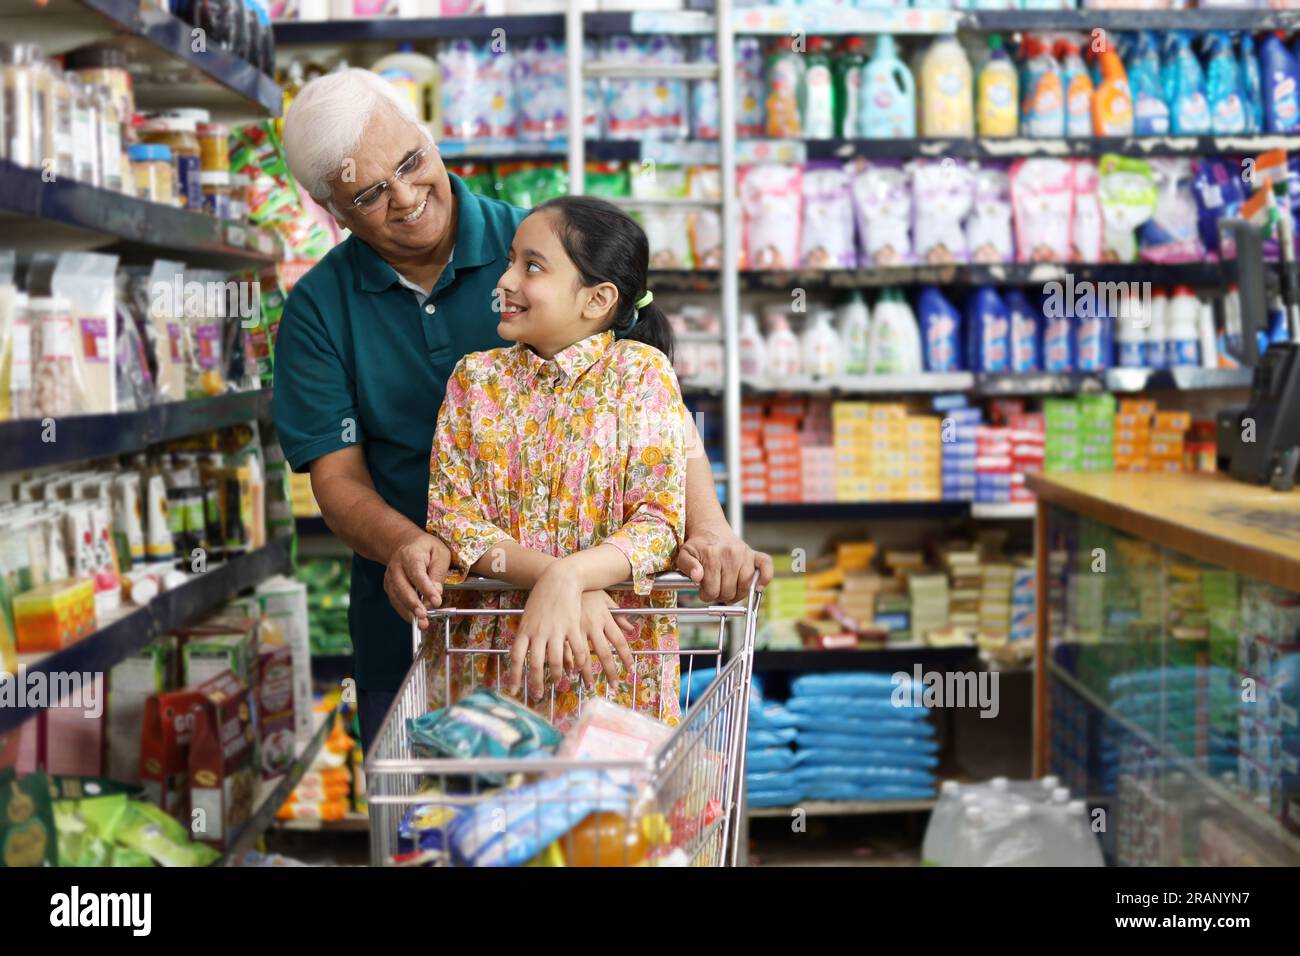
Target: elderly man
x,y
367,341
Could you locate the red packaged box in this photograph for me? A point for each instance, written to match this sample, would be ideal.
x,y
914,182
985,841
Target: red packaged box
x,y
223,784
165,748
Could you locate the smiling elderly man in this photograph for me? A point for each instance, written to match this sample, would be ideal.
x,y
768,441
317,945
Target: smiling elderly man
x,y
367,341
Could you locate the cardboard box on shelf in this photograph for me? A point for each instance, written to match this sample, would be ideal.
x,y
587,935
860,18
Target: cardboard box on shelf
x,y
148,671
165,747
209,650
222,780
284,601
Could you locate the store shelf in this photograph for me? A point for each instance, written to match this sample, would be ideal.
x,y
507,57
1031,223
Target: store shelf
x,y
98,652
856,511
412,30
273,793
844,808
167,70
970,274
79,437
1015,509
64,214
890,658
1026,21
1039,383
1016,147
352,823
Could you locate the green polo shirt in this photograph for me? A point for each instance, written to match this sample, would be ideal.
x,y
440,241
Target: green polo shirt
x,y
360,359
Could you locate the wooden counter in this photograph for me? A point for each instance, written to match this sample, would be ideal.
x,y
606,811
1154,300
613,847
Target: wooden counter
x,y
1249,529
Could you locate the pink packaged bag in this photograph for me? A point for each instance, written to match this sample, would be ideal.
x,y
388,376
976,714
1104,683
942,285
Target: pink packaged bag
x,y
771,204
1042,206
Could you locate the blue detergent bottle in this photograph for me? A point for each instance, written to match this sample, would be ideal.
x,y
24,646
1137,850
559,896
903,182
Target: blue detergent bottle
x,y
988,332
1026,330
1280,80
941,330
1168,68
1252,85
1223,86
1150,111
1190,108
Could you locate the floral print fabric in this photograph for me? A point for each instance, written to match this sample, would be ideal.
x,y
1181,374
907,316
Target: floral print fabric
x,y
562,455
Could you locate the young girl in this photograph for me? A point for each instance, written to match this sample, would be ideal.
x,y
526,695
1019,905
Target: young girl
x,y
559,464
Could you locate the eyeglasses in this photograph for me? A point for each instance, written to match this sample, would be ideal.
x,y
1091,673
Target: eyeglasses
x,y
368,199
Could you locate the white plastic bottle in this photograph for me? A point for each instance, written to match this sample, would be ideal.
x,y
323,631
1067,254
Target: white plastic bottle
x,y
822,350
1087,851
1183,328
783,354
934,844
1209,351
970,838
855,331
753,350
1157,351
894,346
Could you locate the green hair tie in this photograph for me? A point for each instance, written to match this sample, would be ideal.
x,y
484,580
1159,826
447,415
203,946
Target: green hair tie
x,y
645,300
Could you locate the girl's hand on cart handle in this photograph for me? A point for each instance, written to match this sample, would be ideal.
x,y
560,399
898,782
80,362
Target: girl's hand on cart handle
x,y
417,567
601,629
551,620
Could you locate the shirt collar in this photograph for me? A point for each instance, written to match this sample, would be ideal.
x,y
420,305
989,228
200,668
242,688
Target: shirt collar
x,y
470,249
568,364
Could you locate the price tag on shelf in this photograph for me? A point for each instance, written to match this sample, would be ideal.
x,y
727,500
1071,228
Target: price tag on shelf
x,y
672,21
751,151
236,235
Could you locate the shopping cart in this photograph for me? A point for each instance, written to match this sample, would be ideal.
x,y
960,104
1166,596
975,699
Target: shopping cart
x,y
681,805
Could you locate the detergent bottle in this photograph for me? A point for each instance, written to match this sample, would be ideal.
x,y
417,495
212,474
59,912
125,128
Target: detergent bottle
x,y
895,344
1223,86
1026,323
998,98
988,331
785,91
847,69
753,349
1042,106
1076,81
1280,78
1150,111
822,350
947,107
819,91
1252,85
855,331
416,77
889,94
941,330
1112,104
1191,111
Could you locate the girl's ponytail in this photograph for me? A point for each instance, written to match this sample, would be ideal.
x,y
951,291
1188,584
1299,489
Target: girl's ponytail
x,y
650,325
605,244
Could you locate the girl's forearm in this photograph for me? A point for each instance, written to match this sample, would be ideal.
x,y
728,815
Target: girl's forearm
x,y
595,568
508,560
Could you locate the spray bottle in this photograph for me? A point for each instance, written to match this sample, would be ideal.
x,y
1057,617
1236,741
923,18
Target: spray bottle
x,y
1223,86
1150,111
1042,106
1076,81
1112,104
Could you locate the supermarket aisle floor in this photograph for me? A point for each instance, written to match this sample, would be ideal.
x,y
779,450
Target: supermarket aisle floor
x,y
892,839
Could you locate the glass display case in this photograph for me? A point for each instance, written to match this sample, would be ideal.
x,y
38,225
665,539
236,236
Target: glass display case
x,y
1168,666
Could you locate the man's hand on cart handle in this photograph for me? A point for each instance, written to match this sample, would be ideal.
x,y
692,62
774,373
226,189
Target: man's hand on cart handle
x,y
418,566
722,564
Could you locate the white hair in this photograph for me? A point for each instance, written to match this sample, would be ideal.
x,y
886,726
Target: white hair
x,y
327,119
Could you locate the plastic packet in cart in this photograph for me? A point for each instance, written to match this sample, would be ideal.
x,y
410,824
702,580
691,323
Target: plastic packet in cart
x,y
610,731
426,827
516,825
485,723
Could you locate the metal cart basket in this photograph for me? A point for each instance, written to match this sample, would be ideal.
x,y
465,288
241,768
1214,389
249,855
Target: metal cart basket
x,y
678,806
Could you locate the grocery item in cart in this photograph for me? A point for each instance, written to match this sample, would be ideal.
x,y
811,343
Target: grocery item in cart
x,y
610,731
513,827
485,723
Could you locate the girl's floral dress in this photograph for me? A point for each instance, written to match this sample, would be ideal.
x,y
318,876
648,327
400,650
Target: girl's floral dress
x,y
562,455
